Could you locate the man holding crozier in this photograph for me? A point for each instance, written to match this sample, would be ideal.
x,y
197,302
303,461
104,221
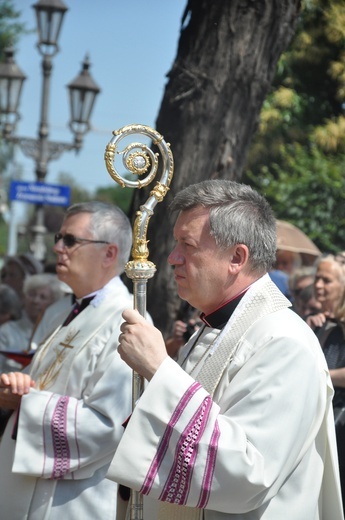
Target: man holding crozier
x,y
241,426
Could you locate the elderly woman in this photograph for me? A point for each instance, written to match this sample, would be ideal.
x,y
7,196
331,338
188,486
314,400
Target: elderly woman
x,y
40,291
330,292
329,284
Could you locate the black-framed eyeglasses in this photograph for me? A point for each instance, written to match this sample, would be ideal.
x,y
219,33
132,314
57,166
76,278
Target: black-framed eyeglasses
x,y
70,240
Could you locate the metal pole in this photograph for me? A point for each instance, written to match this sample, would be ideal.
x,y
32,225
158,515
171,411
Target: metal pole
x,y
139,160
38,229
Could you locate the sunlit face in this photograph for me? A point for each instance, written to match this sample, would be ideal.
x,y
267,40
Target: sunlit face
x,y
37,300
328,285
80,265
201,268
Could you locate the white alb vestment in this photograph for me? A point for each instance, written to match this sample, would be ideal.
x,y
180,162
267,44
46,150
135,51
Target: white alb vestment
x,y
248,435
70,425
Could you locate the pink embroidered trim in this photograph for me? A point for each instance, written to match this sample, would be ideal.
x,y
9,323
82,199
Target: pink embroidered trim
x,y
209,468
76,435
177,486
59,438
163,445
44,437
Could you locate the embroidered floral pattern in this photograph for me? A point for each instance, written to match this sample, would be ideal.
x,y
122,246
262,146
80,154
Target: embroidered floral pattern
x,y
209,468
59,438
178,483
163,446
47,377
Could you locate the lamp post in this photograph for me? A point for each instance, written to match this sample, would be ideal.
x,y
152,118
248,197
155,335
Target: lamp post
x,y
82,94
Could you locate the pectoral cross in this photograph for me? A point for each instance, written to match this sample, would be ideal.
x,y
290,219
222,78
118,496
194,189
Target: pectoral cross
x,y
69,339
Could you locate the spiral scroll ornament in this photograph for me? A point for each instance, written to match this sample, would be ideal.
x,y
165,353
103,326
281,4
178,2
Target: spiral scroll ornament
x,y
139,160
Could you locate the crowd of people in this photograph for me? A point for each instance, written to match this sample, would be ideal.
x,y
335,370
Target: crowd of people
x,y
243,413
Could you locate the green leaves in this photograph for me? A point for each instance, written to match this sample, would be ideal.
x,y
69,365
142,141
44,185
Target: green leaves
x,y
297,159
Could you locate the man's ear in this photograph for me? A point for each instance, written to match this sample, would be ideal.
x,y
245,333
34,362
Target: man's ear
x,y
111,253
239,258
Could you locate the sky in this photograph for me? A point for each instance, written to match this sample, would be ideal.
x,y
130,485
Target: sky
x,y
131,45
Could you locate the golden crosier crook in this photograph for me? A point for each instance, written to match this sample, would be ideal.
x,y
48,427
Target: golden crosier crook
x,y
139,159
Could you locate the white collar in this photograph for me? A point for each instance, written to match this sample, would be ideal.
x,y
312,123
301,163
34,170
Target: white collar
x,y
98,296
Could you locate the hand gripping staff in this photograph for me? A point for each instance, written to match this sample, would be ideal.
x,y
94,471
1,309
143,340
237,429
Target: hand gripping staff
x,y
139,160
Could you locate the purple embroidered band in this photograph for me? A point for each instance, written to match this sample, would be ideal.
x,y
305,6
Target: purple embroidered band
x,y
59,438
156,462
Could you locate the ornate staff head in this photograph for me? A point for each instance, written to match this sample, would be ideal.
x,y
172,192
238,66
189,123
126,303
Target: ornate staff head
x,y
140,160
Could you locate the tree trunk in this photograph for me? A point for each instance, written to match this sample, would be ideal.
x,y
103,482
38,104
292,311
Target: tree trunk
x,y
227,55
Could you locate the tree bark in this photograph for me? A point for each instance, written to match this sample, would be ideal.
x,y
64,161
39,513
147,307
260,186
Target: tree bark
x,y
226,60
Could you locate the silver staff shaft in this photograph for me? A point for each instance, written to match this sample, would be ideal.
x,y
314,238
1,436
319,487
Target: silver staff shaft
x,y
139,159
139,293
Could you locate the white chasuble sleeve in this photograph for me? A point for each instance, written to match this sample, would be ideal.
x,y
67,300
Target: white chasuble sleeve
x,y
182,447
186,425
78,435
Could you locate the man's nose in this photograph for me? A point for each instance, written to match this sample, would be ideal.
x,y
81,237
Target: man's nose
x,y
58,247
175,257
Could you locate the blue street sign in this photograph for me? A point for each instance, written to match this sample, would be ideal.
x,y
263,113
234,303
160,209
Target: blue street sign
x,y
40,193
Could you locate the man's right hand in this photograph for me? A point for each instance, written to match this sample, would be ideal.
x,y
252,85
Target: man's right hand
x,y
141,345
12,387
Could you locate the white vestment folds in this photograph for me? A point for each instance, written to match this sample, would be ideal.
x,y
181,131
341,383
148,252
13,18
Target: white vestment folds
x,y
70,424
244,430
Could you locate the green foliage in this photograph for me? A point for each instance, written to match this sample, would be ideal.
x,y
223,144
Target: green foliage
x,y
122,197
297,158
3,237
308,190
10,27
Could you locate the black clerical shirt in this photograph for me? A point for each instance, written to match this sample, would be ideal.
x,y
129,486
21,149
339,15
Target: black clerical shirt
x,y
219,318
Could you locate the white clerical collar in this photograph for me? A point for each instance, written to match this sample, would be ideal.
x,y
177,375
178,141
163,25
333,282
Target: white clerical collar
x,y
98,296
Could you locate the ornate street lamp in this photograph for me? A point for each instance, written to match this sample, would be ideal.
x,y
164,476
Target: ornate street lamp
x,y
82,95
11,83
83,91
49,16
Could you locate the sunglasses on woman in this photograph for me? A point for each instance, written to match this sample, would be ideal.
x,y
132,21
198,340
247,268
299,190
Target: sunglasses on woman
x,y
70,240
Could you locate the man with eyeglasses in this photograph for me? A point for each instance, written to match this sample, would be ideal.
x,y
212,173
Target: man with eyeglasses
x,y
71,402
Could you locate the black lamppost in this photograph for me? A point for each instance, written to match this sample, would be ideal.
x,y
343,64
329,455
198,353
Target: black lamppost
x,y
82,93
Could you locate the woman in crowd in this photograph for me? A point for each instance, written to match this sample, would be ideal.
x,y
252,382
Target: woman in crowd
x,y
329,285
330,328
40,291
